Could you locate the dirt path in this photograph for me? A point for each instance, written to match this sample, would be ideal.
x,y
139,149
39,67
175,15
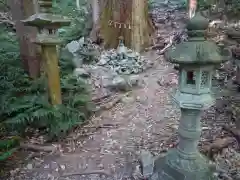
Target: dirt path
x,y
145,119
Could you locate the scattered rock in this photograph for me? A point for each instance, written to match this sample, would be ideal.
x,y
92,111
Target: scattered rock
x,y
77,61
103,61
134,80
119,83
73,47
147,163
228,164
128,100
81,72
81,41
30,166
82,51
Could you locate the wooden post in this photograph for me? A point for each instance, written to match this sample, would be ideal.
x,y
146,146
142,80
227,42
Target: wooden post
x,y
47,24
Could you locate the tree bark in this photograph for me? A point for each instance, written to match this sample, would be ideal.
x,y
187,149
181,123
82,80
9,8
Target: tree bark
x,y
95,10
29,52
126,18
140,33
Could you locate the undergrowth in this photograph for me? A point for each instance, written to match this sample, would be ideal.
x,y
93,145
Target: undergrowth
x,y
24,102
81,23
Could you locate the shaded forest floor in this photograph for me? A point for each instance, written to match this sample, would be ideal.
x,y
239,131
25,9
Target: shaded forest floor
x,y
143,118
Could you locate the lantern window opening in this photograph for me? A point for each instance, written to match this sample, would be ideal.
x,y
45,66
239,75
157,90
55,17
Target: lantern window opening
x,y
191,78
51,31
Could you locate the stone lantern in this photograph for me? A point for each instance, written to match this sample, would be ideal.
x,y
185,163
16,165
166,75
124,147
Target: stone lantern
x,y
47,25
197,59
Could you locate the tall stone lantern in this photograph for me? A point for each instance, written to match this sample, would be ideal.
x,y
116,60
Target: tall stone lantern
x,y
196,59
47,25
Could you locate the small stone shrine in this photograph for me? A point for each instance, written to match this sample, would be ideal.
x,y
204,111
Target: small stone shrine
x,y
197,59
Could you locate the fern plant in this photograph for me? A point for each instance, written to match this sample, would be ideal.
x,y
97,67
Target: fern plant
x,y
24,102
8,147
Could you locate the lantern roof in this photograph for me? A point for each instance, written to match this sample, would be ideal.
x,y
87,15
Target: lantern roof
x,y
42,20
197,50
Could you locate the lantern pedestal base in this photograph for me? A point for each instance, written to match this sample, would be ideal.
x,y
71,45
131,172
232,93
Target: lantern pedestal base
x,y
175,167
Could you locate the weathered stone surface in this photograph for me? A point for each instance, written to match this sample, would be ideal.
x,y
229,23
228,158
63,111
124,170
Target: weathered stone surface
x,y
124,63
73,47
147,163
173,167
81,72
134,80
81,51
81,41
77,61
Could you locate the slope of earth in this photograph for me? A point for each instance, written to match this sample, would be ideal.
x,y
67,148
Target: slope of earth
x,y
144,118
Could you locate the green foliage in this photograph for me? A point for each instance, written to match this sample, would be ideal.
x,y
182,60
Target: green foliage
x,y
8,147
3,5
24,102
230,8
81,23
233,7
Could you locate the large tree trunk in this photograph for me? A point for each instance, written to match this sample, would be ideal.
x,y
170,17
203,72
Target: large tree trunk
x,y
141,25
126,18
22,9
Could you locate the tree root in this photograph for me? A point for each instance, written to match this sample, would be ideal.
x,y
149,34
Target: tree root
x,y
234,132
156,46
103,126
171,40
35,147
101,172
217,146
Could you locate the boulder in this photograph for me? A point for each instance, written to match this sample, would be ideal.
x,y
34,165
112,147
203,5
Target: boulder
x,y
81,72
73,47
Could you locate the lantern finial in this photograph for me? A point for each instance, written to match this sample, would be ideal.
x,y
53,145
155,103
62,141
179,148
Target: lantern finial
x,y
198,23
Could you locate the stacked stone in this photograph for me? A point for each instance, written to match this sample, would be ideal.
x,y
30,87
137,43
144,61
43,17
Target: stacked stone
x,y
123,60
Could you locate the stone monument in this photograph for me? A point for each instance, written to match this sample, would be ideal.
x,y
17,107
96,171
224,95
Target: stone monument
x,y
197,59
47,25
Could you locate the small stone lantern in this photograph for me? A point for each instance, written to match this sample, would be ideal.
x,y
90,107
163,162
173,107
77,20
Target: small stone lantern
x,y
121,49
197,59
47,25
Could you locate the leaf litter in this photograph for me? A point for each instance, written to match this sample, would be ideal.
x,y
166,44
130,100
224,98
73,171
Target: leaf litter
x,y
108,147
